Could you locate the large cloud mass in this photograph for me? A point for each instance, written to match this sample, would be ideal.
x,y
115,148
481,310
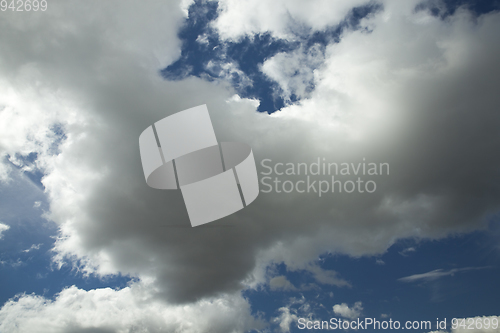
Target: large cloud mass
x,y
407,88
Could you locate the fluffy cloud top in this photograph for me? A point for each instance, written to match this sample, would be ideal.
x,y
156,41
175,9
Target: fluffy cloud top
x,y
129,309
348,312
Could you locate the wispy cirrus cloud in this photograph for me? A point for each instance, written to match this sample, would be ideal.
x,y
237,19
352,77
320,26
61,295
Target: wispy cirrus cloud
x,y
438,273
33,247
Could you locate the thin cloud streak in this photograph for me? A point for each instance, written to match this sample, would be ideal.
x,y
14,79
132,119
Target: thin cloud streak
x,y
438,273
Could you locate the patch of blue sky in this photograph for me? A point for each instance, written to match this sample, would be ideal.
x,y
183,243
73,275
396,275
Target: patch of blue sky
x,y
445,8
58,137
452,277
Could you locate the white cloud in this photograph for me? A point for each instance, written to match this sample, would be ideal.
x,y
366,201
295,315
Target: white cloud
x,y
285,319
328,277
3,227
280,18
129,309
406,251
185,4
437,273
296,308
294,71
345,311
33,247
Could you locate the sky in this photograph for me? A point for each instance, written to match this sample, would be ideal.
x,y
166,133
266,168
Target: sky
x,y
400,96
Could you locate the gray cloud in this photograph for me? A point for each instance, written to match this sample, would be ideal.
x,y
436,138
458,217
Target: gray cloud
x,y
281,282
348,312
417,93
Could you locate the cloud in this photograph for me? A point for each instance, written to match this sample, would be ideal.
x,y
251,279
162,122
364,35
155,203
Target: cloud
x,y
405,252
345,311
281,283
128,309
437,273
33,247
280,18
3,227
285,319
327,277
294,71
410,90
294,309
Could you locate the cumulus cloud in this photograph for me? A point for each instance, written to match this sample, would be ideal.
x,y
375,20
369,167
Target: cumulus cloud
x,y
294,71
295,308
348,312
3,227
285,319
281,18
410,90
129,309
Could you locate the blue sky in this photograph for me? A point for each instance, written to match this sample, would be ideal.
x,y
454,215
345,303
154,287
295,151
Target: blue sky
x,y
80,232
